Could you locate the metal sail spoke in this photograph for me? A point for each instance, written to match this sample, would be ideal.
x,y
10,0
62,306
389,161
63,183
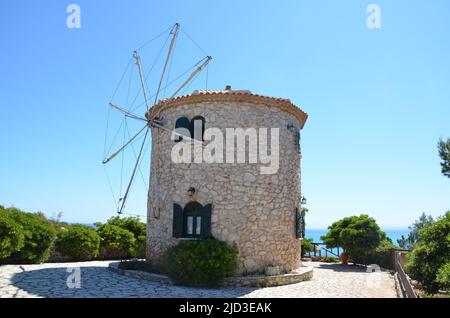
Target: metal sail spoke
x,y
133,174
152,122
175,33
124,146
139,65
127,113
197,70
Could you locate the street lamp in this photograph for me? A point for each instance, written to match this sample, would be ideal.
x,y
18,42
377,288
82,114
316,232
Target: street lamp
x,y
303,200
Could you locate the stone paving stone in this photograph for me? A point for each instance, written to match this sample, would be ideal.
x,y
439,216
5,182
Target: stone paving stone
x,y
49,280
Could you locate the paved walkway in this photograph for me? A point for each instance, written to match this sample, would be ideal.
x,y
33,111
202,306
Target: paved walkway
x,y
50,280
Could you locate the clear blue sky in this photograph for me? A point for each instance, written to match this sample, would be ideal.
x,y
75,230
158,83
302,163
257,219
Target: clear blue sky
x,y
378,100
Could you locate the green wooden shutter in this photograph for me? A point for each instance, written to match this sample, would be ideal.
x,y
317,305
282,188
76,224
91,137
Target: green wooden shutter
x,y
298,226
206,220
177,220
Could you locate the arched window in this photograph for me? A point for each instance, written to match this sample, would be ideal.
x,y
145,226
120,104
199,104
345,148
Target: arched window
x,y
183,127
193,221
197,127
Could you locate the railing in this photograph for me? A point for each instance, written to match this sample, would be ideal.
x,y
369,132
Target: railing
x,y
398,258
321,247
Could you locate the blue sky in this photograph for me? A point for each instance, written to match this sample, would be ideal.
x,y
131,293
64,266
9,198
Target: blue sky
x,y
378,100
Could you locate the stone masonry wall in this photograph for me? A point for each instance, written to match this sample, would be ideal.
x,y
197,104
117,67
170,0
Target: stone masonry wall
x,y
252,210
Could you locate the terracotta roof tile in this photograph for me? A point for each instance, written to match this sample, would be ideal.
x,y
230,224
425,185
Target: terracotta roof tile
x,y
199,96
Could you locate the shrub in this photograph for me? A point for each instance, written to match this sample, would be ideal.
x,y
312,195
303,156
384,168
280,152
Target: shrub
x,y
307,246
203,263
430,254
380,256
116,242
78,242
38,237
443,276
329,259
135,226
11,235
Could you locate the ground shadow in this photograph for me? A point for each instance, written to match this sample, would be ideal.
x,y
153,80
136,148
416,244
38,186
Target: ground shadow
x,y
99,282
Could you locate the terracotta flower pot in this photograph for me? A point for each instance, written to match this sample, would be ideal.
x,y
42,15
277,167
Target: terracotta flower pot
x,y
344,258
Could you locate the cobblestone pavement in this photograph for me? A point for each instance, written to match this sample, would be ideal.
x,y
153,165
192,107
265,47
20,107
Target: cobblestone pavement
x,y
50,280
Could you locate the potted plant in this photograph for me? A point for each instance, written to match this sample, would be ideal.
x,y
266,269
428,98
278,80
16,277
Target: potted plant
x,y
344,258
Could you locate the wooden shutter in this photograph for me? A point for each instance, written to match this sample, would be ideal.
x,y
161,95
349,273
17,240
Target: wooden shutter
x,y
206,220
298,225
177,220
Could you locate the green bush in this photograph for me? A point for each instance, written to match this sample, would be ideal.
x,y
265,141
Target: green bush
x,y
78,242
202,263
443,276
11,235
135,226
307,246
116,242
381,255
430,254
39,237
329,259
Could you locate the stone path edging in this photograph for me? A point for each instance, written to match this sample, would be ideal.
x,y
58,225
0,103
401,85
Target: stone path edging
x,y
157,278
302,274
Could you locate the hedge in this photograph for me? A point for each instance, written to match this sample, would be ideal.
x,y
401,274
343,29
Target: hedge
x,y
78,242
38,236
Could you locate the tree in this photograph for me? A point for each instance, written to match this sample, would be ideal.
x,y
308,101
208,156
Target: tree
x,y
360,236
444,153
413,236
427,263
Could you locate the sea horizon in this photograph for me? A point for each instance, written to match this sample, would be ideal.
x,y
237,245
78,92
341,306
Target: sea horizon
x,y
394,233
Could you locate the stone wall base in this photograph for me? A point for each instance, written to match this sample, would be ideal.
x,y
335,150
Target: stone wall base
x,y
301,274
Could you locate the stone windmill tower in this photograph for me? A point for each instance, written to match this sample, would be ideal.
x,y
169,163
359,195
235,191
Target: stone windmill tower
x,y
234,201
238,177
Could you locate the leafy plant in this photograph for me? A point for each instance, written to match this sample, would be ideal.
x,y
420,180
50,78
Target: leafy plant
x,y
38,237
11,235
135,226
380,256
443,276
413,236
307,246
329,259
444,153
430,255
116,242
204,262
78,242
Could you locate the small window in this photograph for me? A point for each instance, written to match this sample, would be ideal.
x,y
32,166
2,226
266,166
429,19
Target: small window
x,y
182,127
197,128
192,215
193,221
